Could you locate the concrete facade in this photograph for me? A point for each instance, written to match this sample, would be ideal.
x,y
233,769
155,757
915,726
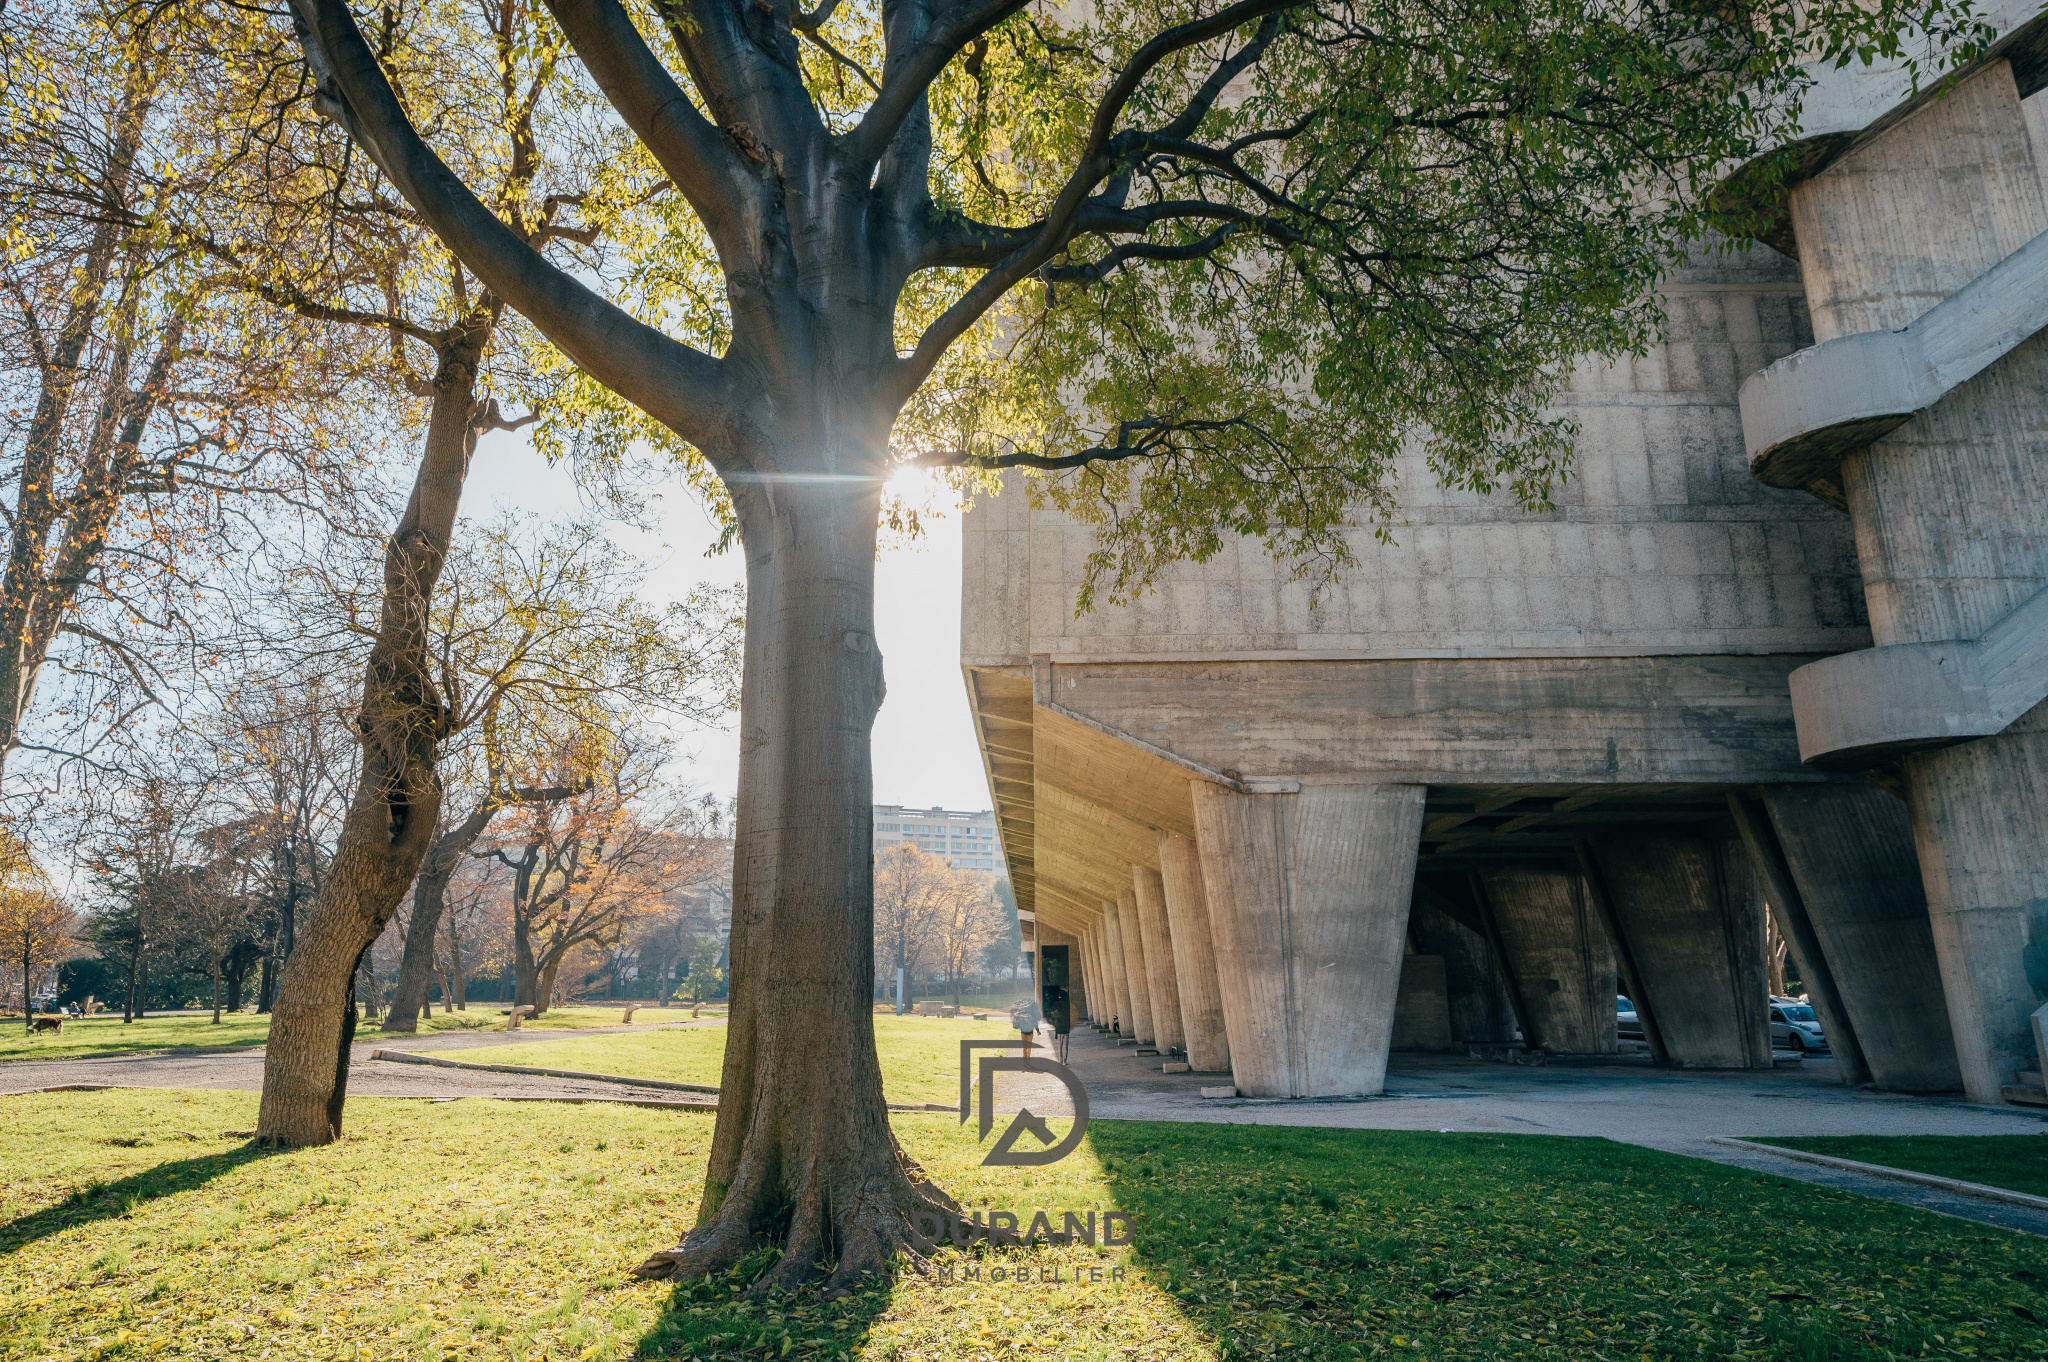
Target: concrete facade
x,y
1562,753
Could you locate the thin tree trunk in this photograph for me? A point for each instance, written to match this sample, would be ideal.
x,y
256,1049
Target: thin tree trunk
x,y
802,1130
544,988
455,968
216,990
391,820
429,895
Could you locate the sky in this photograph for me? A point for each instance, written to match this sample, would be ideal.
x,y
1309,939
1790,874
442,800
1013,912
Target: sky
x,y
924,749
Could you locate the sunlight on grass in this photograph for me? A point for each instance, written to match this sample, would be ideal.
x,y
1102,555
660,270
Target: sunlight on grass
x,y
506,1231
920,1055
85,1038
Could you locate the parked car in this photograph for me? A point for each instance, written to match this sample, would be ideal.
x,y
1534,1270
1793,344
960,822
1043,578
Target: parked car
x,y
1627,1025
1795,1027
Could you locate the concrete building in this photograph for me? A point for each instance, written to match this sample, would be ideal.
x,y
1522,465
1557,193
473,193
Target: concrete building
x,y
1781,648
967,841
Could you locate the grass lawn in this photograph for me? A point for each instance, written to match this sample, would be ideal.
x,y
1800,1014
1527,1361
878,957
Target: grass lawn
x,y
104,1035
920,1055
2018,1163
131,1226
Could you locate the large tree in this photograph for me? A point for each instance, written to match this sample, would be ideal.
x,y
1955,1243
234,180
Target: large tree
x,y
1215,262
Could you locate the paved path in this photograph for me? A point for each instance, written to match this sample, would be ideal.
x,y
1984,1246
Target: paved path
x,y
1621,1099
242,1070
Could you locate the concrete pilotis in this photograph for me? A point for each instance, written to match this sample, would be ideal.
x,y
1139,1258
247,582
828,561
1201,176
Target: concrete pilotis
x,y
1788,909
1120,982
1194,954
1850,851
1480,1010
1980,821
1692,913
1558,953
1138,980
1160,972
1309,897
1951,518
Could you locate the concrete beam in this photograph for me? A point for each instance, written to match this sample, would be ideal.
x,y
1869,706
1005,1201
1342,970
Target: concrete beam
x,y
1520,721
1309,898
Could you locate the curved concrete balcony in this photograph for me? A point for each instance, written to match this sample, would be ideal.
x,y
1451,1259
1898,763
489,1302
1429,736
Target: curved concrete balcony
x,y
1855,709
1803,413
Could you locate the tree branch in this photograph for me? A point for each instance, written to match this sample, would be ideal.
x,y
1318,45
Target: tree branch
x,y
682,387
684,141
1096,163
908,74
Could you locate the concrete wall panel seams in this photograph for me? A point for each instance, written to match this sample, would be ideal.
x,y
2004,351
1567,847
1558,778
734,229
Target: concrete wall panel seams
x,y
1194,954
1160,966
1309,896
1693,913
1849,849
1141,1024
1560,955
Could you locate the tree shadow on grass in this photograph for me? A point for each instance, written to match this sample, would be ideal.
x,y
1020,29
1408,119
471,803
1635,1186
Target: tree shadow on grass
x,y
713,1317
105,1200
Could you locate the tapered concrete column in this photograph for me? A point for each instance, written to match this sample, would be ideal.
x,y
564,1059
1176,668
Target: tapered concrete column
x,y
1160,971
1558,957
1850,852
1092,968
1480,1011
1113,959
1308,899
1194,954
1133,937
1690,913
1951,517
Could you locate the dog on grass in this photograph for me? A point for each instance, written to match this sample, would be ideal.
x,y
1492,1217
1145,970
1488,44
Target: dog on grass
x,y
41,1024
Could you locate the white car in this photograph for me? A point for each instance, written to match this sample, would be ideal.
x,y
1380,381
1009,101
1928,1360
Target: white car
x,y
1794,1027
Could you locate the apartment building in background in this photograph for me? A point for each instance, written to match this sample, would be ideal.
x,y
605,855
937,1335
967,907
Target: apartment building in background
x,y
967,841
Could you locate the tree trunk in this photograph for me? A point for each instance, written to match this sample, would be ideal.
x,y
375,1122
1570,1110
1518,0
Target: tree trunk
x,y
429,895
391,819
461,994
216,990
802,1131
134,973
544,986
522,960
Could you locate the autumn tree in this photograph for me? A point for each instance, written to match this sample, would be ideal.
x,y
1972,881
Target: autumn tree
x,y
35,922
148,419
913,898
589,868
540,632
1209,264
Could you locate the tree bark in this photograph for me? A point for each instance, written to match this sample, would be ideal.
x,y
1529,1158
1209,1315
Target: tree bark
x,y
391,819
544,986
429,896
802,1128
